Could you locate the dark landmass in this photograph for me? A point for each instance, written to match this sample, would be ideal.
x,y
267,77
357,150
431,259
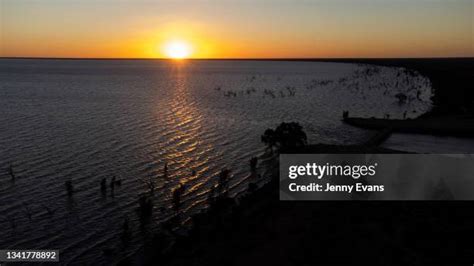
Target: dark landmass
x,y
259,229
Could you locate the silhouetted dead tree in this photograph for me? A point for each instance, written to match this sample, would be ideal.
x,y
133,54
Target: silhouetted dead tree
x,y
69,188
145,208
11,173
165,170
212,195
177,194
253,164
125,236
112,183
151,184
112,187
345,114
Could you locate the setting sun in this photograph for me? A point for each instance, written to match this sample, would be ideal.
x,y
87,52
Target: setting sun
x,y
177,49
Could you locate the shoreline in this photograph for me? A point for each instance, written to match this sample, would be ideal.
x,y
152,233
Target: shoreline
x,y
448,125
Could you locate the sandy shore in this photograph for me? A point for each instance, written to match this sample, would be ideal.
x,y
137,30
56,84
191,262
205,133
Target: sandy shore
x,y
448,125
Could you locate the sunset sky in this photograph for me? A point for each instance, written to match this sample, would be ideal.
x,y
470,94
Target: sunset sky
x,y
236,28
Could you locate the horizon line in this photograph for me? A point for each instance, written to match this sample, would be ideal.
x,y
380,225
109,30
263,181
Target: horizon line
x,y
236,59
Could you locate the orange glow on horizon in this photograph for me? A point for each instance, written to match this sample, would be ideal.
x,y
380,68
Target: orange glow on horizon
x,y
177,49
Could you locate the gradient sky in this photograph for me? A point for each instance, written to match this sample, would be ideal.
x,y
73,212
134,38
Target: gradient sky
x,y
237,28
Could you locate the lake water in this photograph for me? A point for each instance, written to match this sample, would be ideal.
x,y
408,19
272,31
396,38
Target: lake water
x,y
85,120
